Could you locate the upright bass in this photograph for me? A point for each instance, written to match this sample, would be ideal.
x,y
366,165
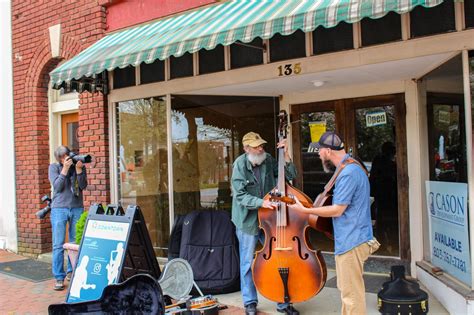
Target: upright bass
x,y
287,269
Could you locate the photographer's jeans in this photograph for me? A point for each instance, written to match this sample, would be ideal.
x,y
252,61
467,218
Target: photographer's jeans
x,y
59,218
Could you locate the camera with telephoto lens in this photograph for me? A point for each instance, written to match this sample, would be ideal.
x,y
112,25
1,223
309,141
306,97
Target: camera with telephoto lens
x,y
84,158
43,212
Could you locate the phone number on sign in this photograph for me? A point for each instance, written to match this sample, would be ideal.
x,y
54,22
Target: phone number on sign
x,y
450,259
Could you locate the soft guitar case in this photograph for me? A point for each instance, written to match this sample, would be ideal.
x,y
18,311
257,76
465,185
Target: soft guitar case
x,y
402,296
139,294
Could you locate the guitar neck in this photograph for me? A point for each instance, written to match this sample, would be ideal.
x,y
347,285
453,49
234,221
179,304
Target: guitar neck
x,y
290,201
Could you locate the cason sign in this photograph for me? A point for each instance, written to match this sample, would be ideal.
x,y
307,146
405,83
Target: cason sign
x,y
449,229
376,119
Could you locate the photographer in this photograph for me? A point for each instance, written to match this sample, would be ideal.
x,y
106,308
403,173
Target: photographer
x,y
68,178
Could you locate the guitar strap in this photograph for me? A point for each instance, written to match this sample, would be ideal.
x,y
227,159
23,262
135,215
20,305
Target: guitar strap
x,y
332,181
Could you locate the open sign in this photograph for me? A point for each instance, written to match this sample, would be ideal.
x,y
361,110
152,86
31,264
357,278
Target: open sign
x,y
376,119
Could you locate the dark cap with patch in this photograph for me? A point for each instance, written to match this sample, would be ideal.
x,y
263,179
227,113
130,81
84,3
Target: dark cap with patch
x,y
328,140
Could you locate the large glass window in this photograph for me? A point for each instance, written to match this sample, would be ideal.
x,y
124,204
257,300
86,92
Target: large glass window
x,y
142,164
446,129
206,135
447,190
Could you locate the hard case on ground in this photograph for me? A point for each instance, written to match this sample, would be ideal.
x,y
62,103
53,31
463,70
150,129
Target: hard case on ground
x,y
402,296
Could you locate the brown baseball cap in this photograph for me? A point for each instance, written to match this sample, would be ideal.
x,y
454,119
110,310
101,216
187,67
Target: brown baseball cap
x,y
252,139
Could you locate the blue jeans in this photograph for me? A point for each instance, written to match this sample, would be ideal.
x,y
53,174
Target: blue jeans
x,y
247,243
59,218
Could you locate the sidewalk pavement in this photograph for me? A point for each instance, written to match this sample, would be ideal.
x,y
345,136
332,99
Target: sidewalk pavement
x,y
19,296
328,301
24,297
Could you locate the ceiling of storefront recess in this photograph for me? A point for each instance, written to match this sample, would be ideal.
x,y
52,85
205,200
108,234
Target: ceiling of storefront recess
x,y
387,71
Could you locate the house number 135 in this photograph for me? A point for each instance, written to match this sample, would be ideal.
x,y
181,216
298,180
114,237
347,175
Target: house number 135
x,y
289,69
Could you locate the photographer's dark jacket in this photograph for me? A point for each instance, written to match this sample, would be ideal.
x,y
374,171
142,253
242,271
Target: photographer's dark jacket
x,y
67,190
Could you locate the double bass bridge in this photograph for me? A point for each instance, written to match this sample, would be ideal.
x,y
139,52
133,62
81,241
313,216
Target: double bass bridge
x,y
284,248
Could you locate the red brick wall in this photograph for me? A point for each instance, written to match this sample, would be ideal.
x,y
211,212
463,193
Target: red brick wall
x,y
93,139
82,24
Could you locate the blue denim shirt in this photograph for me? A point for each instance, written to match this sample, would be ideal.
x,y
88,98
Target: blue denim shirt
x,y
354,226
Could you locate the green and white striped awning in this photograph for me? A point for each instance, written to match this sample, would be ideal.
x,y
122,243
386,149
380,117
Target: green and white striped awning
x,y
223,23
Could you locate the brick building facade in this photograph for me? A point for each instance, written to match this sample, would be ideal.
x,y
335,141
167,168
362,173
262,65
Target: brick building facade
x,y
82,23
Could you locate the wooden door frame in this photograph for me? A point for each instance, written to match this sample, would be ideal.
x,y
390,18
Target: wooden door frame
x,y
345,126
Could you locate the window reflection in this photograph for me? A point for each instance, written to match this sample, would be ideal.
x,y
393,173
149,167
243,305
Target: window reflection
x,y
445,108
142,163
206,136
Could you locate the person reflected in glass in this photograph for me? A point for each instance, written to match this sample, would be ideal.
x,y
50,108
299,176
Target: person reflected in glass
x,y
383,184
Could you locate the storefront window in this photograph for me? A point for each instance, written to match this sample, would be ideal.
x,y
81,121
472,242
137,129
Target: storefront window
x,y
446,129
447,234
206,134
142,164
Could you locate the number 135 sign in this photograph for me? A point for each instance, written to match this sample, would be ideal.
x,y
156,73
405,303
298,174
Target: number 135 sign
x,y
289,69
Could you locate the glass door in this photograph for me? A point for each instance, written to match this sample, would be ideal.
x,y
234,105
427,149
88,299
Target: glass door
x,y
310,121
375,143
373,130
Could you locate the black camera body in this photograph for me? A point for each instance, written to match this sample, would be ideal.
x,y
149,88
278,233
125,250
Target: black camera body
x,y
43,212
84,158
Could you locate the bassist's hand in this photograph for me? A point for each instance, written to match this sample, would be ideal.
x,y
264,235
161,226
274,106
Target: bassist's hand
x,y
284,144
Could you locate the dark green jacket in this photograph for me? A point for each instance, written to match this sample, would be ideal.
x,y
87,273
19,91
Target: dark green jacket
x,y
247,197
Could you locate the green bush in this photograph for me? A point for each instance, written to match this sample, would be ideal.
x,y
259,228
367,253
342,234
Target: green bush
x,y
81,223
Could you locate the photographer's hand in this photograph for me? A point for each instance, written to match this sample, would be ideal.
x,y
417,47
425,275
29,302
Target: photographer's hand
x,y
67,164
79,167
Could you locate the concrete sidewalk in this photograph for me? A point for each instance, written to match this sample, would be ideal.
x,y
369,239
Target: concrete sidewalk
x,y
19,296
24,297
328,301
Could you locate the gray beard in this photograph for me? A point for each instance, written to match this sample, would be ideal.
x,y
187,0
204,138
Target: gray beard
x,y
256,159
328,167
